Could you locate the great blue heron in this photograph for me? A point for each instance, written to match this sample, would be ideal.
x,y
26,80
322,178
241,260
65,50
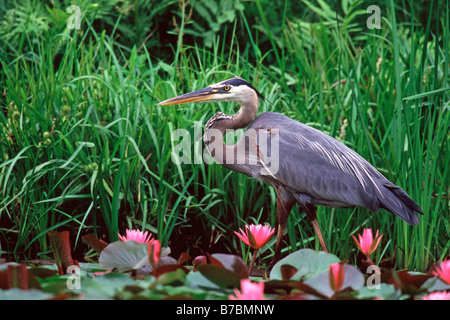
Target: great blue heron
x,y
313,168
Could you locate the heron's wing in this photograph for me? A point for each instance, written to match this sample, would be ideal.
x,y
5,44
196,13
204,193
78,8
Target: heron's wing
x,y
318,168
323,171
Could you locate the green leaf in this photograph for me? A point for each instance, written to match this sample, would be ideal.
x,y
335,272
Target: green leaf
x,y
81,144
19,294
124,256
353,279
174,278
435,284
425,94
385,291
233,263
222,277
307,262
105,286
198,280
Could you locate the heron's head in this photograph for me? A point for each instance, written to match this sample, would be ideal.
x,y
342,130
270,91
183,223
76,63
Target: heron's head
x,y
234,89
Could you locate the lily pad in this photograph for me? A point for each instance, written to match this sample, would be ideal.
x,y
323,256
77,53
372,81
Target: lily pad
x,y
233,263
105,286
384,291
434,284
61,250
409,282
19,294
307,262
197,280
222,277
124,256
224,270
96,244
173,278
353,280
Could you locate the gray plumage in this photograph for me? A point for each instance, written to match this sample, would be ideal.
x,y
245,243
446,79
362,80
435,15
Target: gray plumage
x,y
313,169
319,170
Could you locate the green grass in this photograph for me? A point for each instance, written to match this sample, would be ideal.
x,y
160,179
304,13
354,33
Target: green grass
x,y
85,147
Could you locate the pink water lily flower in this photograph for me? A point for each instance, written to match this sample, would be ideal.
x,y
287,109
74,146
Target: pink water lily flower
x,y
336,274
154,252
256,236
367,244
441,295
137,235
249,291
443,271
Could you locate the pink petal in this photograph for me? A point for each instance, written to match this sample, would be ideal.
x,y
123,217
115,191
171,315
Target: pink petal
x,y
243,237
249,291
136,235
256,236
443,271
154,252
366,241
336,275
442,295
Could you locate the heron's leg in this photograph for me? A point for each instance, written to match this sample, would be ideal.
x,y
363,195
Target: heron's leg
x,y
311,212
284,206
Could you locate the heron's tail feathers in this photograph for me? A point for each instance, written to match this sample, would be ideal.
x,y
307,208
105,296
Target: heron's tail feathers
x,y
398,202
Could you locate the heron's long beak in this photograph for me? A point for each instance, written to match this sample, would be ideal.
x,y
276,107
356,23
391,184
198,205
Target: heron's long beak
x,y
204,94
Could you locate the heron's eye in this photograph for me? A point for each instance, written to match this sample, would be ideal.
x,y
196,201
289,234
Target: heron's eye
x,y
226,88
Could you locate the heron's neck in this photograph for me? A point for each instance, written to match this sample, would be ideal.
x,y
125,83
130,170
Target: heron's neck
x,y
240,119
217,126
